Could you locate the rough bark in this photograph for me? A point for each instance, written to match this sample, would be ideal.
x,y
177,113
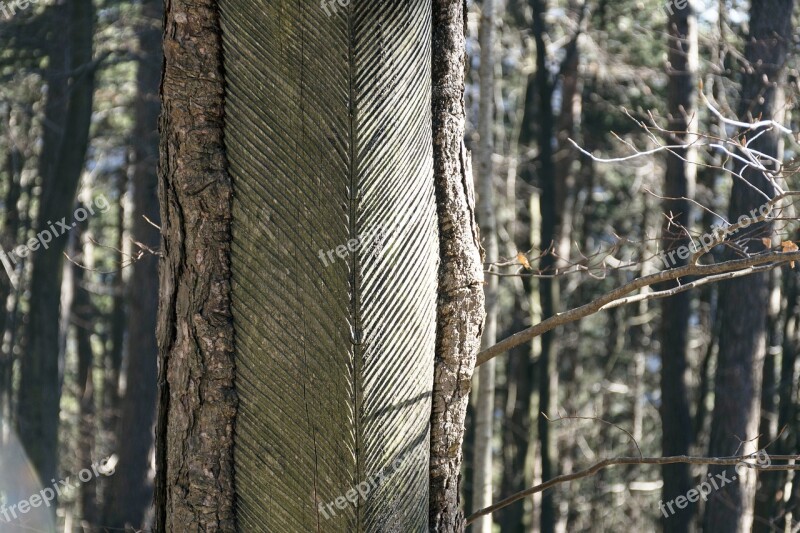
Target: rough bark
x,y
460,310
484,412
679,183
131,491
743,303
40,383
197,402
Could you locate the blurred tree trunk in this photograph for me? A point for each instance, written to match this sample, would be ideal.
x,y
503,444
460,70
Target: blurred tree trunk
x,y
743,302
571,85
40,383
548,287
679,186
131,488
487,219
83,319
771,510
767,494
14,164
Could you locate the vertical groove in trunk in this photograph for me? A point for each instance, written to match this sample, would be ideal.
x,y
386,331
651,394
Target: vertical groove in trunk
x,y
197,401
743,302
328,135
460,308
679,183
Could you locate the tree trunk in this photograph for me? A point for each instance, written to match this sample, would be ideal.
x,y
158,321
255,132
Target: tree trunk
x,y
767,494
40,384
460,310
743,302
8,238
331,395
83,320
679,184
548,287
484,417
770,505
131,491
197,402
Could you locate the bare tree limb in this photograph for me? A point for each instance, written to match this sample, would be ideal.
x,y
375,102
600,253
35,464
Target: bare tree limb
x,y
770,260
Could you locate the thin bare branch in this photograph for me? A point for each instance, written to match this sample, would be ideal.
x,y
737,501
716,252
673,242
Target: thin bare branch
x,y
773,259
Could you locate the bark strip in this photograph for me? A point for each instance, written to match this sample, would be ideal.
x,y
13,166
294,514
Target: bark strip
x,y
460,310
197,401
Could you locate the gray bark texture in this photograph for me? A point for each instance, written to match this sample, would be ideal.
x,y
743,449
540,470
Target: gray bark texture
x,y
460,310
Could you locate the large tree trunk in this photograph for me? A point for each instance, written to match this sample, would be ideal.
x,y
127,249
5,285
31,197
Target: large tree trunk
x,y
484,412
460,310
131,490
743,303
40,384
679,181
332,395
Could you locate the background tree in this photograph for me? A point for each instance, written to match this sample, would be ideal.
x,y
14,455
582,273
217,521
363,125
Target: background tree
x,y
679,188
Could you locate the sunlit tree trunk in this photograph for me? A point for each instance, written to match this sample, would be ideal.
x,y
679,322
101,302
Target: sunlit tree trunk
x,y
484,412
